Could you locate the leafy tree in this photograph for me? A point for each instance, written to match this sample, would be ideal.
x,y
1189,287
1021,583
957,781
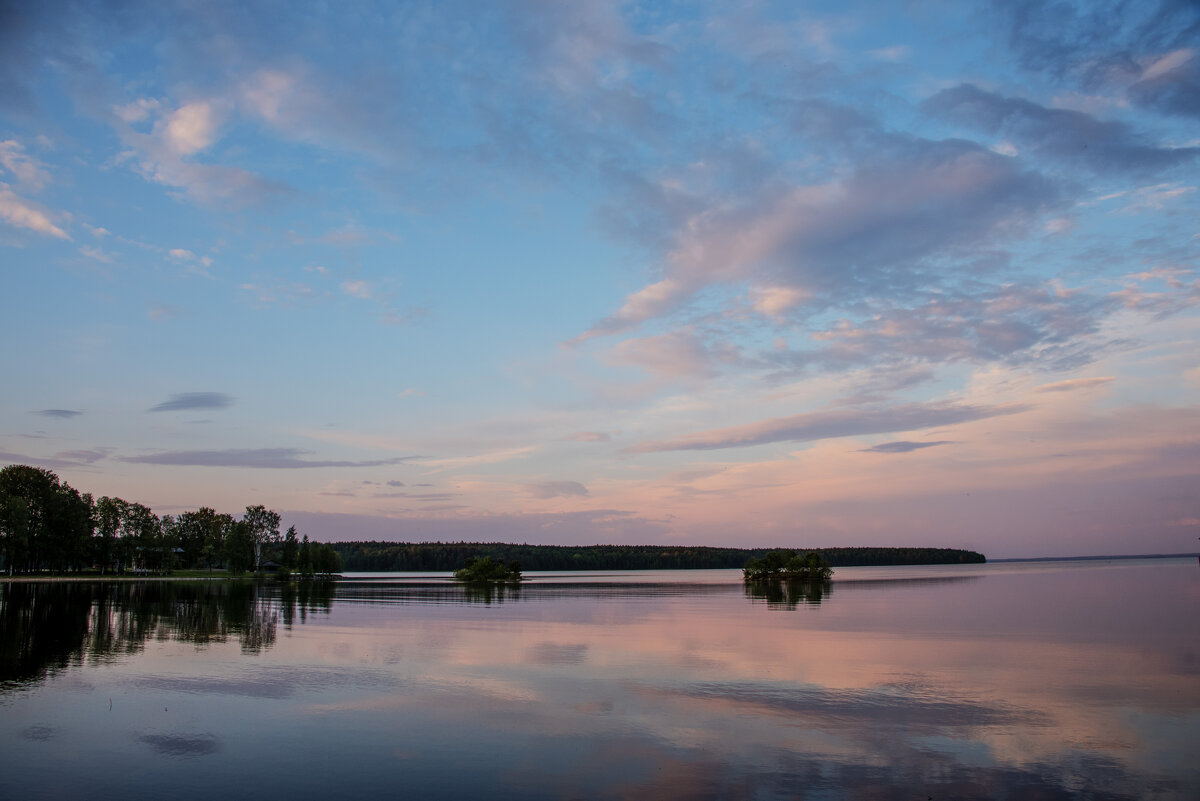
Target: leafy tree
x,y
110,512
326,560
14,530
239,547
144,529
262,525
47,523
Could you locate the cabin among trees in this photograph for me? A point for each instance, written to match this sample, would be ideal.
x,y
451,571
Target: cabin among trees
x,y
46,525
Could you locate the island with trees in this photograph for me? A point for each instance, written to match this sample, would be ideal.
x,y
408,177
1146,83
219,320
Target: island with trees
x,y
787,566
49,527
486,570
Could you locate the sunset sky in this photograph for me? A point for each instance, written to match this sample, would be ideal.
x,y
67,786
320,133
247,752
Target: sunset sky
x,y
804,274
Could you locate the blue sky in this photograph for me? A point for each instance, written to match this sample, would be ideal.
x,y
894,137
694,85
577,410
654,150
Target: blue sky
x,y
804,274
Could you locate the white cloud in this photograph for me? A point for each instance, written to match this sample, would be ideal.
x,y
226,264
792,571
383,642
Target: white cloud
x,y
97,254
893,53
493,457
21,213
184,255
1167,63
189,129
1153,198
267,92
358,289
774,301
648,302
138,110
29,171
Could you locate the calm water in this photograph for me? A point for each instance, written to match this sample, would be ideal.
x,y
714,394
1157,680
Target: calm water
x,y
1018,680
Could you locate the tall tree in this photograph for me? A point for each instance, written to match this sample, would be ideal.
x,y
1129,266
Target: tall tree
x,y
47,523
262,525
291,549
200,534
109,514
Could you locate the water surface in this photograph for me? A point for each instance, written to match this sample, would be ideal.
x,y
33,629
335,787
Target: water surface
x,y
1012,680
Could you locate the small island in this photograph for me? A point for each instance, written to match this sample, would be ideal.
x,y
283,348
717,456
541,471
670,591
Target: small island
x,y
787,566
486,570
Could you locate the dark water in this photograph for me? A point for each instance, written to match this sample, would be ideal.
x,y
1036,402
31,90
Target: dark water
x,y
1013,681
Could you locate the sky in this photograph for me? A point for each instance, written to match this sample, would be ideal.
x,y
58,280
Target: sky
x,y
757,274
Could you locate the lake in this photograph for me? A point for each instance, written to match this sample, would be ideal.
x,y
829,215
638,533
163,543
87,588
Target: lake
x,y
1031,680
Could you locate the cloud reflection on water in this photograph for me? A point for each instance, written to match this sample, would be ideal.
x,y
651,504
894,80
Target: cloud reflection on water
x,y
1008,684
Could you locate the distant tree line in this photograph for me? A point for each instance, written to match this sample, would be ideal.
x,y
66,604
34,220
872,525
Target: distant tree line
x,y
46,525
441,556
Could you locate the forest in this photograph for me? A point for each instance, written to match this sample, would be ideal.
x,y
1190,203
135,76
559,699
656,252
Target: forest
x,y
47,526
416,556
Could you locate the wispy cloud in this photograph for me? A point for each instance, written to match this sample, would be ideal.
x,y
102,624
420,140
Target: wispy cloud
x,y
556,489
264,458
590,436
186,401
491,457
28,171
903,446
831,424
21,213
1072,384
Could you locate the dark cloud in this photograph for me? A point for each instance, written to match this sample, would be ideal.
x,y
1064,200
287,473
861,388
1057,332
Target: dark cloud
x,y
395,483
1175,90
557,489
903,446
267,458
185,401
1060,134
64,414
830,425
1103,44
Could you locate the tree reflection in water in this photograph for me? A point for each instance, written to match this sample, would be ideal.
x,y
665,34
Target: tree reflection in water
x,y
490,592
48,627
783,594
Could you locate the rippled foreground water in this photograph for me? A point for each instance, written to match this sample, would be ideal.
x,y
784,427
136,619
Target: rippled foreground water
x,y
1022,681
